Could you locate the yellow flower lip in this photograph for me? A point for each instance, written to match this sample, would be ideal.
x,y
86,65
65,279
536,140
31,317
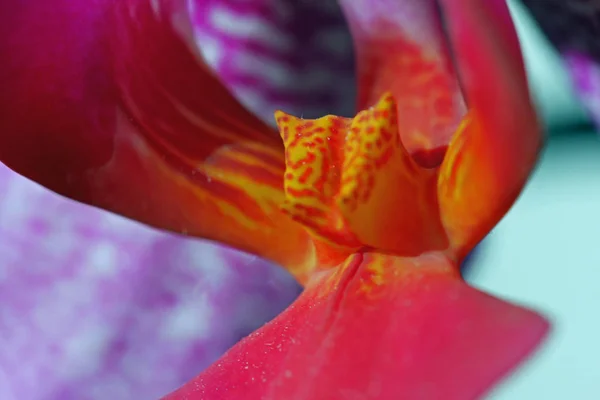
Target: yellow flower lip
x,y
352,184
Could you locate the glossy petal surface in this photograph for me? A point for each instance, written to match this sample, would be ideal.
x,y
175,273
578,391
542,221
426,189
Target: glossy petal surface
x,y
496,147
110,104
379,328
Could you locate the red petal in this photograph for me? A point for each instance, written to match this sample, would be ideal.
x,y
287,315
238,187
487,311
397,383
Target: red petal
x,y
492,155
107,102
382,328
401,48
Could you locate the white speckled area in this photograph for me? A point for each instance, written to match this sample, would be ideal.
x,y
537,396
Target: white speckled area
x,y
94,306
279,54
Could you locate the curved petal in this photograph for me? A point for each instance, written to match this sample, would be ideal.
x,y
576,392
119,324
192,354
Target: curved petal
x,y
400,48
107,102
380,327
497,145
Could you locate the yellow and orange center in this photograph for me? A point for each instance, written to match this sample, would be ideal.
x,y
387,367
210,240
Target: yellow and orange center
x,y
352,184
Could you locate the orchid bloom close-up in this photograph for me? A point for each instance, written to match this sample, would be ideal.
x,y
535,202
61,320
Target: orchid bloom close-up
x,y
113,105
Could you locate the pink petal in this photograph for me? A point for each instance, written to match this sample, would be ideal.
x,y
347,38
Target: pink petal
x,y
401,48
111,104
491,157
419,333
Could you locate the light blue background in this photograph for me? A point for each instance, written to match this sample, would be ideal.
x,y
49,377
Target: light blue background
x,y
546,253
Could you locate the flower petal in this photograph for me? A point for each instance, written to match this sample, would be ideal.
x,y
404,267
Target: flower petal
x,y
380,327
109,103
400,48
497,145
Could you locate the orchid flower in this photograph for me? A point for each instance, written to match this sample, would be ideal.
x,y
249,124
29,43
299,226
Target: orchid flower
x,y
114,106
82,291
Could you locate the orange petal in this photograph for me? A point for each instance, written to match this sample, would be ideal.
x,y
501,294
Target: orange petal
x,y
379,327
496,147
109,103
400,47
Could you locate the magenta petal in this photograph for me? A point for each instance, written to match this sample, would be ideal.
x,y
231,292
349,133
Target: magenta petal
x,y
112,104
58,100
